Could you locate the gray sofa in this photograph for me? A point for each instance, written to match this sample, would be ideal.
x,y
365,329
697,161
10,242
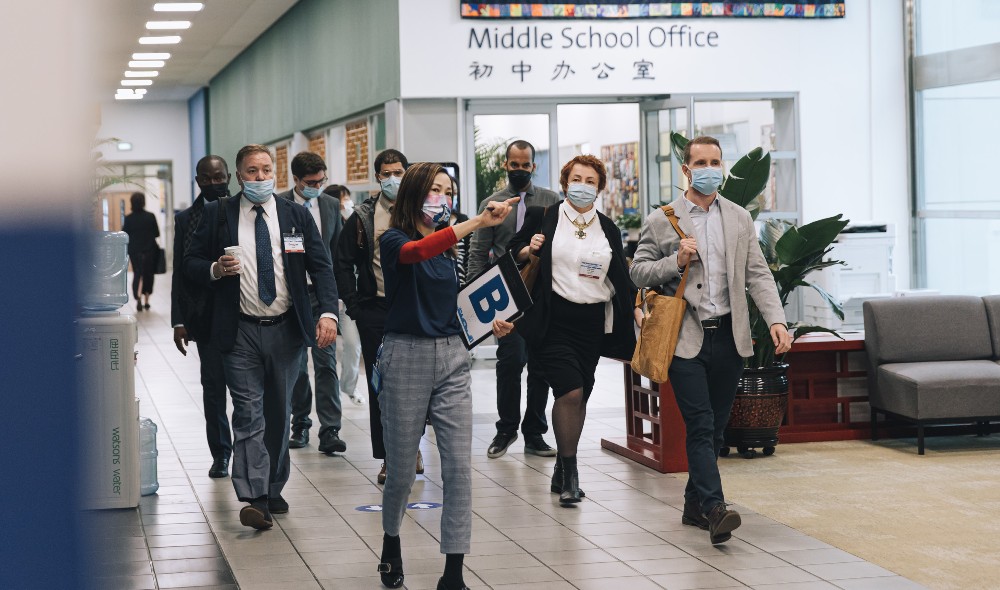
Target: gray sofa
x,y
934,360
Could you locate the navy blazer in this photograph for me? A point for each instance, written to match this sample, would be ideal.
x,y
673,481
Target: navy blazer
x,y
216,232
329,215
620,343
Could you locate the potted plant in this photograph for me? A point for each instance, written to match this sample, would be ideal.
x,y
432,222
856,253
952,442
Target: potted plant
x,y
792,253
630,222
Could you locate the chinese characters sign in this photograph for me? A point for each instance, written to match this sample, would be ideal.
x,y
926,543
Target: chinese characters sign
x,y
610,10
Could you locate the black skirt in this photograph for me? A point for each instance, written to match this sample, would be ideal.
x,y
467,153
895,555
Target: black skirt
x,y
568,355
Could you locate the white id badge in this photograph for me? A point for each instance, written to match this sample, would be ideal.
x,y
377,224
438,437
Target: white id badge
x,y
294,243
594,265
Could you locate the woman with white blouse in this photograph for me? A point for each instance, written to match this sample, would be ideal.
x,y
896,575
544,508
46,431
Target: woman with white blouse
x,y
583,305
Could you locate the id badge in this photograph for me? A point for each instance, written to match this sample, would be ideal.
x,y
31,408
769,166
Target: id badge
x,y
294,242
590,269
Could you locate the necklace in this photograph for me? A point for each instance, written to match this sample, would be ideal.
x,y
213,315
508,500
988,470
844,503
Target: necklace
x,y
580,226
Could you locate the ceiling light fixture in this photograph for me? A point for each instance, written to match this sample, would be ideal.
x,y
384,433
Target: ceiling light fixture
x,y
150,56
168,25
178,6
128,97
140,74
164,40
136,82
148,63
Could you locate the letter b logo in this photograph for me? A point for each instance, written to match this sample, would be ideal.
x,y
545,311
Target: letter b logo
x,y
489,299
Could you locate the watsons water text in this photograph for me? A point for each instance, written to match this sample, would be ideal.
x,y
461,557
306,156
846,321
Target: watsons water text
x,y
530,37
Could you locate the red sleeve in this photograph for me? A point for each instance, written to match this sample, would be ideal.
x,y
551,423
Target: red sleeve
x,y
427,247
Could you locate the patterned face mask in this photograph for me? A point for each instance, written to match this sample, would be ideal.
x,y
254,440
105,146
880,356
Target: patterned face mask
x,y
436,209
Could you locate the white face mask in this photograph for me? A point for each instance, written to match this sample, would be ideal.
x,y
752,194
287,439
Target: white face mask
x,y
347,208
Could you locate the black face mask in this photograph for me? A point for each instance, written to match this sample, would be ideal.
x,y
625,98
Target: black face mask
x,y
213,192
518,179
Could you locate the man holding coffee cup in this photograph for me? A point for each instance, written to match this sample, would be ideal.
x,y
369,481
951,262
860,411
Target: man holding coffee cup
x,y
263,320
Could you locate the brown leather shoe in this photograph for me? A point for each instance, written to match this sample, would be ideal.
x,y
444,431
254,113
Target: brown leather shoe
x,y
420,463
381,474
722,522
693,517
256,515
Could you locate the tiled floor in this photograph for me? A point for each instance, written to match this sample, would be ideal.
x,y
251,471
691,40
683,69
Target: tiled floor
x,y
627,533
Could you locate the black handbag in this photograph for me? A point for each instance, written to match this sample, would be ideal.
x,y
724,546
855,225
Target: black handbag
x,y
161,261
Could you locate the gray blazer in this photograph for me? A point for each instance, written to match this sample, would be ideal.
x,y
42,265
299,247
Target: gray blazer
x,y
655,265
495,239
329,215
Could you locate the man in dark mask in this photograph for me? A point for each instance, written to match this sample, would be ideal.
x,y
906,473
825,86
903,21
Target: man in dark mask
x,y
190,314
488,245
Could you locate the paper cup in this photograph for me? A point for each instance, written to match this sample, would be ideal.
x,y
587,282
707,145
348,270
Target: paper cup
x,y
236,252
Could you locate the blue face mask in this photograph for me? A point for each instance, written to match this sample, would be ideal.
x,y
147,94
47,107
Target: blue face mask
x,y
581,195
389,187
310,192
706,180
258,191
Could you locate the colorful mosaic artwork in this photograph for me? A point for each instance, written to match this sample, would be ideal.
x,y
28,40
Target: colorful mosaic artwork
x,y
600,10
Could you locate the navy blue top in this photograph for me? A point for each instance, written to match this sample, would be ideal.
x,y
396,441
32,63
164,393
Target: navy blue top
x,y
422,297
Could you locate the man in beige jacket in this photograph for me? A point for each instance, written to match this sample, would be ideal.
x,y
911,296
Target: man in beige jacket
x,y
722,250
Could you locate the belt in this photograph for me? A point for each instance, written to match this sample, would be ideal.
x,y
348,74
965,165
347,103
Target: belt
x,y
265,321
713,323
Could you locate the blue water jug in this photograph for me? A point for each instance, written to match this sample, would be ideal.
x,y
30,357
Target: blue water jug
x,y
148,483
103,272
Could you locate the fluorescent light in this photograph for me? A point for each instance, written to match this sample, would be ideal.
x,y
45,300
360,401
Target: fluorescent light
x,y
148,63
125,146
150,56
178,6
164,40
140,74
129,94
168,25
136,82
128,97
140,91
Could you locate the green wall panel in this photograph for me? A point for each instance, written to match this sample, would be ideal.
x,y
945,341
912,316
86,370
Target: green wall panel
x,y
322,61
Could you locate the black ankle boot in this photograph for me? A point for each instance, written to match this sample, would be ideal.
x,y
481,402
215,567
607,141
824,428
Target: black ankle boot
x,y
442,585
391,567
557,476
570,482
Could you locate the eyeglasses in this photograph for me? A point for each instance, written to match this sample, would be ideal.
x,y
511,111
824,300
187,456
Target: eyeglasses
x,y
385,174
315,183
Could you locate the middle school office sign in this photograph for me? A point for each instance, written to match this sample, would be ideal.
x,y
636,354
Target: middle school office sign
x,y
443,55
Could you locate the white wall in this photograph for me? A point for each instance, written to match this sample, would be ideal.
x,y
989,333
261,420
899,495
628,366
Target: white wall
x,y
158,132
848,73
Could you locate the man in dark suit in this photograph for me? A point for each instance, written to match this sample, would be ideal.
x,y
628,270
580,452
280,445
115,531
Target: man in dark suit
x,y
190,314
488,245
309,174
262,319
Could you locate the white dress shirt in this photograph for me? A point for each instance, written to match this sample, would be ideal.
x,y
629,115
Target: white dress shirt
x,y
580,266
250,302
712,254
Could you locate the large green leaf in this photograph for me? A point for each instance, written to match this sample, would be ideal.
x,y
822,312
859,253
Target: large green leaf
x,y
769,235
810,238
677,144
833,303
747,178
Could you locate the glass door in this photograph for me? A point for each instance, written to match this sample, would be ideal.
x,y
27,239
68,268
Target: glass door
x,y
490,127
663,178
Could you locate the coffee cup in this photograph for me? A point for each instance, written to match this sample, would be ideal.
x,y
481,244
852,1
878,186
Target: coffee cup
x,y
236,252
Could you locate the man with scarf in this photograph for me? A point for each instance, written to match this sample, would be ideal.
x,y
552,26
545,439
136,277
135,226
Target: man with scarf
x,y
488,245
190,314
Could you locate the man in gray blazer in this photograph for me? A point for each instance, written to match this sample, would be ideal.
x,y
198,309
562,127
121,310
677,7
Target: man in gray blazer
x,y
309,174
725,261
488,245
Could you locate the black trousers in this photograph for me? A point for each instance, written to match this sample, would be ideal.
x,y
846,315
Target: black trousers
x,y
705,388
143,269
371,326
512,356
213,386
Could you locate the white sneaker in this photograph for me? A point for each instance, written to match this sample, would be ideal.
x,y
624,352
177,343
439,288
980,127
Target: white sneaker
x,y
357,399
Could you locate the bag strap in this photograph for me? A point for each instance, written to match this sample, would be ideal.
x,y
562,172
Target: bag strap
x,y
669,212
